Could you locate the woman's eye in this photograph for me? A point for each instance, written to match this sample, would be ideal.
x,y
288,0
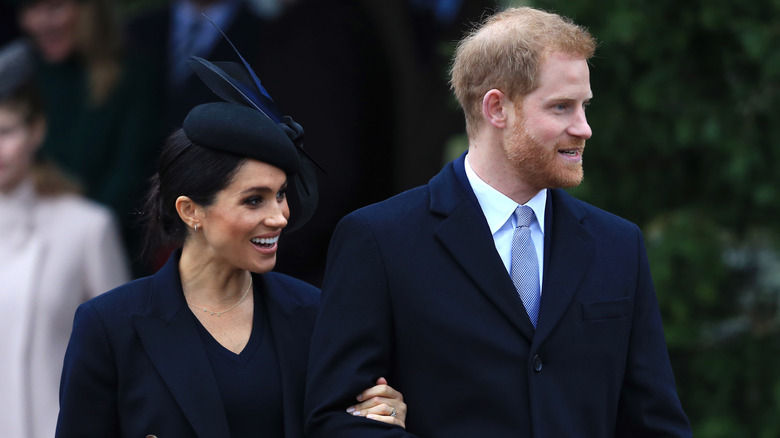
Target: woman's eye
x,y
253,201
281,195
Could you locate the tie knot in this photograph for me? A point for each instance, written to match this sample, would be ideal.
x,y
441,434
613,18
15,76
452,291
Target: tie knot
x,y
524,215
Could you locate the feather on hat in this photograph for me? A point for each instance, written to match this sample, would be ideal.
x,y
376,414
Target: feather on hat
x,y
249,124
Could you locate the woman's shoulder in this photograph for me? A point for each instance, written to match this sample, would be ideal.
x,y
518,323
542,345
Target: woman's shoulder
x,y
124,300
303,291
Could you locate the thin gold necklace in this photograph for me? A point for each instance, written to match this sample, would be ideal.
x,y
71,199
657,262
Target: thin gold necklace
x,y
246,292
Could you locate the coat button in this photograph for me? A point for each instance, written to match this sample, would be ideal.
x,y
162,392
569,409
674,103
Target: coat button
x,y
537,363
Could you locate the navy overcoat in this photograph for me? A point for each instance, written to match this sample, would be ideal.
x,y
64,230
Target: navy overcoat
x,y
415,291
135,365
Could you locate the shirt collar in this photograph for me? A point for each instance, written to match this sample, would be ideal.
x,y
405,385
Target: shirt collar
x,y
497,207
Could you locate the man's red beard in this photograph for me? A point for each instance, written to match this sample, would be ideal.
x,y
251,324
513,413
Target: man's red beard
x,y
541,166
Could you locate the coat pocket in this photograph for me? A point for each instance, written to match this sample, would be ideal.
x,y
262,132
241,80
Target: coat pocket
x,y
610,309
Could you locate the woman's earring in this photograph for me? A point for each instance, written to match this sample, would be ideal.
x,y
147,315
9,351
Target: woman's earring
x,y
196,227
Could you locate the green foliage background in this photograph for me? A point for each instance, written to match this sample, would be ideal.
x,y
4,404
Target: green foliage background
x,y
687,144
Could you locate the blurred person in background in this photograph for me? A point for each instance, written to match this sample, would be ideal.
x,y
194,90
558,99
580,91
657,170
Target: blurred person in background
x,y
102,110
165,37
324,59
57,250
362,77
419,37
9,28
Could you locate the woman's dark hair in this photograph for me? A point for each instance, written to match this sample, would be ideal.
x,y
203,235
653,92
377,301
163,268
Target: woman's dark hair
x,y
184,169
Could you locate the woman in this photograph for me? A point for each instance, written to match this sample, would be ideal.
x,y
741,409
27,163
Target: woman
x,y
101,101
57,250
214,344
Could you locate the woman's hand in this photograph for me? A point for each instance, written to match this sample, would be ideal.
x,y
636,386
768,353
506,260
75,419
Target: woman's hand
x,y
381,403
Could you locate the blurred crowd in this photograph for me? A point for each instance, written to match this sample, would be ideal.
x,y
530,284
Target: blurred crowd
x,y
367,80
363,77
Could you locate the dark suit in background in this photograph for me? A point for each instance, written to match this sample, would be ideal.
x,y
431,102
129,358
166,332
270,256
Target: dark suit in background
x,y
149,36
9,28
323,62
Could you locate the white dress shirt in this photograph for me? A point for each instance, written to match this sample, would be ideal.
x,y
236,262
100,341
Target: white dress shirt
x,y
499,212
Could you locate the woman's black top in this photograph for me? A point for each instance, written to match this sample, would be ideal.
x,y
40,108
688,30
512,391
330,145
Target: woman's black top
x,y
250,382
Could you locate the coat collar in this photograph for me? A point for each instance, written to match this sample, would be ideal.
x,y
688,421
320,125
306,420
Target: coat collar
x,y
292,323
170,336
568,249
466,235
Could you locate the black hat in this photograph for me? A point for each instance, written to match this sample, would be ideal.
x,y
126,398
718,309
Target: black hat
x,y
249,125
16,66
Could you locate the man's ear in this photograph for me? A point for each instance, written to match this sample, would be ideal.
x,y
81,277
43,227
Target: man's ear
x,y
494,108
189,211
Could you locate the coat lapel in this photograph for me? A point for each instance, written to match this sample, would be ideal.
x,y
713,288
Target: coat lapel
x,y
170,336
568,249
467,238
291,327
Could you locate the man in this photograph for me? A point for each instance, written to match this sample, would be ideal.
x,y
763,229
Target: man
x,y
554,332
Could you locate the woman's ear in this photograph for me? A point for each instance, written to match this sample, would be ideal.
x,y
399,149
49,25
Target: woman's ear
x,y
494,108
189,211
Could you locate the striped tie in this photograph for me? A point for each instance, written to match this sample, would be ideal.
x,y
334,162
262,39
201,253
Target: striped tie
x,y
525,266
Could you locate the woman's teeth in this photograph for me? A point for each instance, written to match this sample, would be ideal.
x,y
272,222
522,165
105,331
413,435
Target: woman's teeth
x,y
265,241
